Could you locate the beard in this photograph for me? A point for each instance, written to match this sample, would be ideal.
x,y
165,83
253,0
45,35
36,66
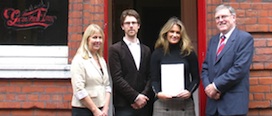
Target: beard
x,y
131,33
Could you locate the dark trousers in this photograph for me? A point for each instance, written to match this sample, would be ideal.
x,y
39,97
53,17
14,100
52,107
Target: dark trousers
x,y
81,111
217,114
129,111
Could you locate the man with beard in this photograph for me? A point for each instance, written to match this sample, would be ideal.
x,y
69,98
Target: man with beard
x,y
129,67
225,71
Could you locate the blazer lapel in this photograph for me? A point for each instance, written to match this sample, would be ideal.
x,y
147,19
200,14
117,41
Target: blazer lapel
x,y
214,45
130,57
103,67
142,55
96,65
213,49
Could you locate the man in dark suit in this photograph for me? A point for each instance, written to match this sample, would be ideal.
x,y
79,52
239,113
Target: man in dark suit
x,y
225,71
129,67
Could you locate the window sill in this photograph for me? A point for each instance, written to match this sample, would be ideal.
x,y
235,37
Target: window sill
x,y
45,62
35,71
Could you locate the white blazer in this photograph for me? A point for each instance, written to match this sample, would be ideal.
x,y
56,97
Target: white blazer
x,y
88,80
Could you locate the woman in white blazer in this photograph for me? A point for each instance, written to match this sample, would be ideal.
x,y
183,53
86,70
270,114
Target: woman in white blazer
x,y
90,78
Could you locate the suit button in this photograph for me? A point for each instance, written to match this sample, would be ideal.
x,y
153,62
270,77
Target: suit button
x,y
167,109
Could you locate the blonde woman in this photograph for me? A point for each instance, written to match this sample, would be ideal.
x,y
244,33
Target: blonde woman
x,y
90,79
173,46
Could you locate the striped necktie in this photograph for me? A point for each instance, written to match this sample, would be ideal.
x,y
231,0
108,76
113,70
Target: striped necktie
x,y
221,45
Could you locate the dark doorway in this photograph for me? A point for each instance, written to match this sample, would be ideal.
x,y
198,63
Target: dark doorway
x,y
154,13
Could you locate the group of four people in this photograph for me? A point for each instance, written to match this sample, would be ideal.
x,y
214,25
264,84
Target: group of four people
x,y
137,73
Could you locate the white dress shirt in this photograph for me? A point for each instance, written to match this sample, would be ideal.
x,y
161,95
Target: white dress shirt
x,y
135,50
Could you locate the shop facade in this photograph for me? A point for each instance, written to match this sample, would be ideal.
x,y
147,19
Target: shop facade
x,y
40,37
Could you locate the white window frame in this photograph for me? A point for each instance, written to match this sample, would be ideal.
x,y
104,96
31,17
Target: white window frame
x,y
18,61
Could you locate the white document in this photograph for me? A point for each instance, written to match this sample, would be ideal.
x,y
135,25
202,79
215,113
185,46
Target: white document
x,y
172,78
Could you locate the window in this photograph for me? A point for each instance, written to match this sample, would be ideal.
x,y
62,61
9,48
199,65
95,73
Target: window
x,y
33,39
33,22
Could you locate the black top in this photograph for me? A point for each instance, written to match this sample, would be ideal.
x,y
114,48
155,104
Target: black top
x,y
174,56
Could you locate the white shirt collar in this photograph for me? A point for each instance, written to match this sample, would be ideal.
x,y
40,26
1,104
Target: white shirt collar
x,y
227,35
129,43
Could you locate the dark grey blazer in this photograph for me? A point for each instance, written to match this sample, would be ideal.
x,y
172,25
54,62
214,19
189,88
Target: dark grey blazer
x,y
230,73
128,82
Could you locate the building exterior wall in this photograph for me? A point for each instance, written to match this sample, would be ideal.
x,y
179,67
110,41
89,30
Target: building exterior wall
x,y
255,17
35,97
51,97
81,14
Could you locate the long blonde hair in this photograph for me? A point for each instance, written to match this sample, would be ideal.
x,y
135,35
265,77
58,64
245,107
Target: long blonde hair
x,y
83,49
185,42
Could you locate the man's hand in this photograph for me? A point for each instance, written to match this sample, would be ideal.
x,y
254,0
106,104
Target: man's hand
x,y
140,102
211,92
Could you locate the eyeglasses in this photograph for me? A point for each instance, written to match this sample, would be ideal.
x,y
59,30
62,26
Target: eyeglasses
x,y
222,17
129,23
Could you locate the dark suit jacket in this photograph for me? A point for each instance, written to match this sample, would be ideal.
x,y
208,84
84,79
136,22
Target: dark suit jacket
x,y
230,73
128,82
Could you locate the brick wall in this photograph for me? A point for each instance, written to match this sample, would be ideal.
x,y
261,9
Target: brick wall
x,y
81,14
255,17
35,97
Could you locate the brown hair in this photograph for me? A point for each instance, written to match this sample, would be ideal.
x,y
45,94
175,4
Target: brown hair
x,y
129,12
